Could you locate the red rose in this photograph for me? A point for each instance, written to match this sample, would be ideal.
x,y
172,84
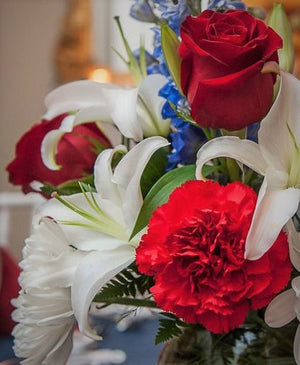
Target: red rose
x,y
222,58
76,154
195,248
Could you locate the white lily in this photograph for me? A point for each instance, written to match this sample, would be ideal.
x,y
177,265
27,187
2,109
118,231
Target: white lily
x,y
283,309
277,157
100,223
136,112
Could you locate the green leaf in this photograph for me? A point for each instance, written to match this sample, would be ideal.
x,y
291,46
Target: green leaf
x,y
168,329
132,63
169,44
69,187
160,193
154,169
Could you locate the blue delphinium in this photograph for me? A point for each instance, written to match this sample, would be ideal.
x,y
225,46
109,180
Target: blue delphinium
x,y
185,138
174,13
222,5
142,11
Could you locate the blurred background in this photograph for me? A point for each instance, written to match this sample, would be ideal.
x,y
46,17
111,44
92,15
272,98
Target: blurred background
x,y
45,43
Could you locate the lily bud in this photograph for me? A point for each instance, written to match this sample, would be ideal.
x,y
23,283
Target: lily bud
x,y
280,23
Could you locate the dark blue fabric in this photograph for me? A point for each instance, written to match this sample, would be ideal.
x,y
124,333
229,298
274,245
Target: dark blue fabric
x,y
6,351
137,341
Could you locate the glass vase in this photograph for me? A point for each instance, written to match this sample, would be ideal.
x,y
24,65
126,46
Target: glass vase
x,y
250,344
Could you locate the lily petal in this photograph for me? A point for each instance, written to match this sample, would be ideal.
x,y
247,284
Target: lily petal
x,y
50,142
92,274
281,309
74,96
103,175
242,150
83,230
274,135
297,345
121,104
150,105
129,172
294,240
271,213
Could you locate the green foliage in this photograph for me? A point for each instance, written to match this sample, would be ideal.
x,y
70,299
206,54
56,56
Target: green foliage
x,y
69,187
154,169
169,44
138,71
128,283
168,328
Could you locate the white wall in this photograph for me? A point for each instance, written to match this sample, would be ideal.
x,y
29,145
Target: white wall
x,y
28,31
106,34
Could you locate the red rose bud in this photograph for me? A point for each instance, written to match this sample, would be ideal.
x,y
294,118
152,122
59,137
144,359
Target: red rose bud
x,y
76,154
222,58
195,248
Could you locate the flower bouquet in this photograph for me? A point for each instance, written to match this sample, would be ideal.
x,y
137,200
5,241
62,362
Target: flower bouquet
x,y
180,194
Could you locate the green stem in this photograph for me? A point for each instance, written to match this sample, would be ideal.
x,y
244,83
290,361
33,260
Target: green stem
x,y
281,338
126,301
126,142
233,170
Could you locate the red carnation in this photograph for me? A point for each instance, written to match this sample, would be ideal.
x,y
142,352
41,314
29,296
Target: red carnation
x,y
76,154
195,248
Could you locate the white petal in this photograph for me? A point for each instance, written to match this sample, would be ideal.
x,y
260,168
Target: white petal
x,y
103,175
272,212
242,150
297,346
111,132
128,174
92,274
281,309
93,113
51,140
150,105
296,286
74,96
122,104
274,138
294,244
62,350
77,235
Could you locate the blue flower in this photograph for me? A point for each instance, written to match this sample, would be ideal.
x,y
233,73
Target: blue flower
x,y
173,13
186,141
142,11
222,5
